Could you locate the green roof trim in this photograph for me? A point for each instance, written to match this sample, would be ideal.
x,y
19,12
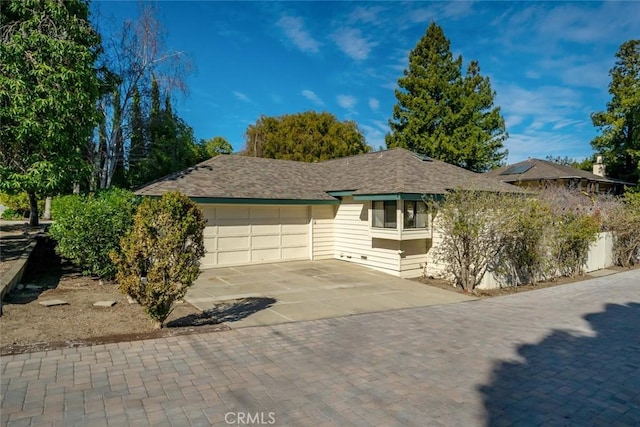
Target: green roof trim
x,y
341,193
239,201
398,196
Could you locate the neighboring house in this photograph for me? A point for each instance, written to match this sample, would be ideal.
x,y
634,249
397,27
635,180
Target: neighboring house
x,y
368,209
535,173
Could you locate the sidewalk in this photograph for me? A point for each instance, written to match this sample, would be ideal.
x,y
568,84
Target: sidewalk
x,y
17,240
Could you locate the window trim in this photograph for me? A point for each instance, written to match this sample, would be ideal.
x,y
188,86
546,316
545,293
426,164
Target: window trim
x,y
387,223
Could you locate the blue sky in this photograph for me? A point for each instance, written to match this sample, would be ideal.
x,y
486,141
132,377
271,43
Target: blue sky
x,y
548,61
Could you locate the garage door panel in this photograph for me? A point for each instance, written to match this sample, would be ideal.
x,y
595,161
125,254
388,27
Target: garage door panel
x,y
294,240
265,254
233,230
268,241
266,228
236,242
210,244
209,260
233,257
209,232
294,253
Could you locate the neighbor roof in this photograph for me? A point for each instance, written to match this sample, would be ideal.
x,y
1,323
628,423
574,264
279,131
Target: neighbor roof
x,y
536,170
396,171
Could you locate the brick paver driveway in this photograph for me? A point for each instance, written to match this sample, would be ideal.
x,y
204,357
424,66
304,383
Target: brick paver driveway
x,y
568,355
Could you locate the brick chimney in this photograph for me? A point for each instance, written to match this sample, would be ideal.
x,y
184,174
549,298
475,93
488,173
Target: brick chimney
x,y
598,167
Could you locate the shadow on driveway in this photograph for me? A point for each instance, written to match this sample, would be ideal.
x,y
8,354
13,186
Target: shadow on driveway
x,y
573,380
225,312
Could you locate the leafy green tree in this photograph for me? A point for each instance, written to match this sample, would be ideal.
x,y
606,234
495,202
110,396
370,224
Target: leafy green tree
x,y
442,113
48,90
160,257
216,146
619,125
307,137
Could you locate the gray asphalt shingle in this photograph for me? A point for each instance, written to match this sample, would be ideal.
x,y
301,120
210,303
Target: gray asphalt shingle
x,y
536,170
383,172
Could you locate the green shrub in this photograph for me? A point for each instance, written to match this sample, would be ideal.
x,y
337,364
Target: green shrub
x,y
572,235
159,258
10,214
88,228
18,204
524,256
574,222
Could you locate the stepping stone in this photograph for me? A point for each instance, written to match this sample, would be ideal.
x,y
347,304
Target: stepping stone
x,y
53,302
104,304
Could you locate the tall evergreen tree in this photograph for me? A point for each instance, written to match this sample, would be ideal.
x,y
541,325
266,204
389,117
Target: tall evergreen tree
x,y
442,113
619,141
137,148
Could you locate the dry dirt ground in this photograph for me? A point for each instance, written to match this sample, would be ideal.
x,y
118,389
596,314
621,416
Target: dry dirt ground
x,y
28,326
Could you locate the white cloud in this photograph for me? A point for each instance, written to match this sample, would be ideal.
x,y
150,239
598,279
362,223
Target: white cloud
x,y
293,28
542,144
241,96
374,135
367,15
545,104
311,96
347,101
374,104
352,43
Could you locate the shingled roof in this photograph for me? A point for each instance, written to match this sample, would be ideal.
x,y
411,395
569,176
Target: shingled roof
x,y
394,171
536,170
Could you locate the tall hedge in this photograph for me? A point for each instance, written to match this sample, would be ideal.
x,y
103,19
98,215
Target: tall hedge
x,y
88,227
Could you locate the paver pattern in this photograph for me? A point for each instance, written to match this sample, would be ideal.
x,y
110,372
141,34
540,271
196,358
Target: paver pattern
x,y
568,355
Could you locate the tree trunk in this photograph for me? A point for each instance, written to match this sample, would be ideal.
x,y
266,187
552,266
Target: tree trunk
x,y
33,208
47,209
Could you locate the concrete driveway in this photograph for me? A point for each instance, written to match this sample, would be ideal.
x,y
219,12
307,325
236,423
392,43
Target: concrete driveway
x,y
308,290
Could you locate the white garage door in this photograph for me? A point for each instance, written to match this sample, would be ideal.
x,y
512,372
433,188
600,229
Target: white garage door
x,y
237,235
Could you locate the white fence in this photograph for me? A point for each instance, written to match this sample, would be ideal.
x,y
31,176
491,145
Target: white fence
x,y
600,256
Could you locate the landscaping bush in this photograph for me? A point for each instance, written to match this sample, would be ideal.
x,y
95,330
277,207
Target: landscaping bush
x,y
625,224
159,258
17,205
472,224
520,238
87,228
525,253
574,223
